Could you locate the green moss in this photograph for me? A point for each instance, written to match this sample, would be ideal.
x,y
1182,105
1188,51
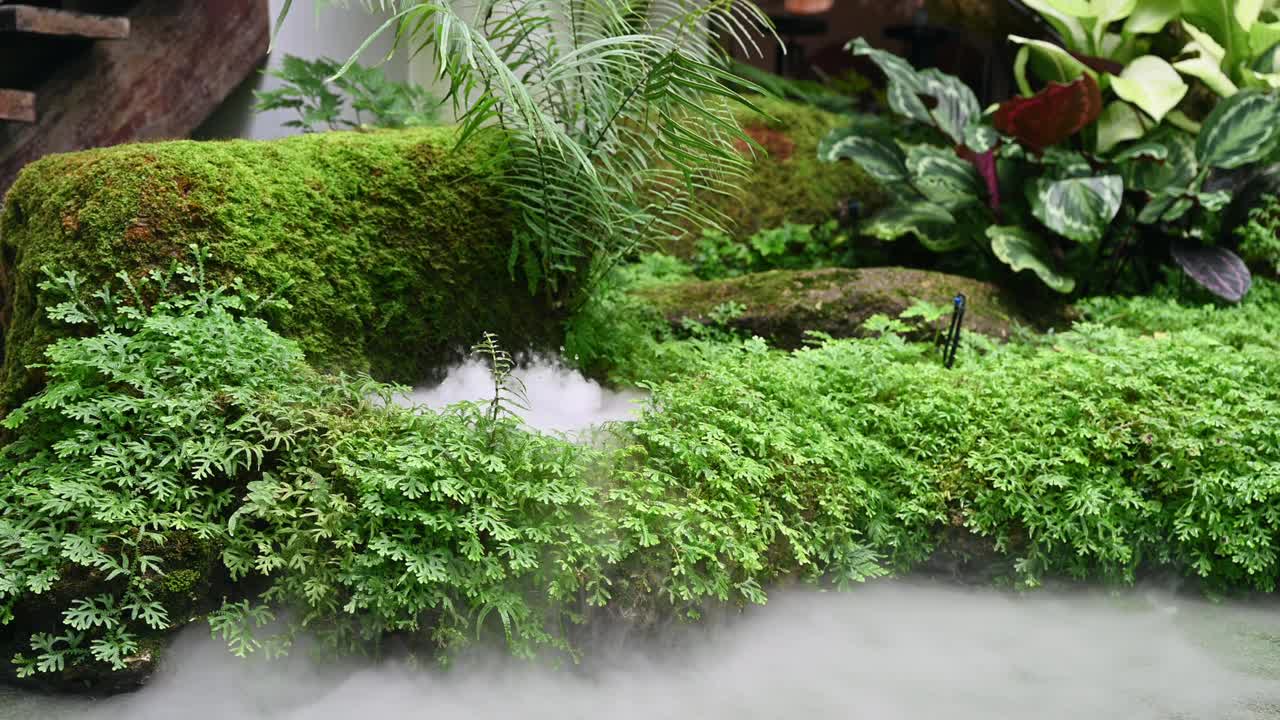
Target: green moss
x,y
787,182
391,249
782,304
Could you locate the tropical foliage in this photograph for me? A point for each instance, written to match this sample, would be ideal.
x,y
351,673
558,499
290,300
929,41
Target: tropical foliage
x,y
1067,215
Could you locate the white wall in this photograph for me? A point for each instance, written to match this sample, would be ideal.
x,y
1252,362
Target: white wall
x,y
309,32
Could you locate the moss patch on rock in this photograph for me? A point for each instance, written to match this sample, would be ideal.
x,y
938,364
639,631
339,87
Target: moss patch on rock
x,y
390,247
782,304
787,181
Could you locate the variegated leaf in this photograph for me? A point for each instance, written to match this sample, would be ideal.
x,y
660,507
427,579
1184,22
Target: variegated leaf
x,y
1077,208
922,219
954,104
1021,250
980,138
1241,129
943,177
1218,270
881,160
1174,167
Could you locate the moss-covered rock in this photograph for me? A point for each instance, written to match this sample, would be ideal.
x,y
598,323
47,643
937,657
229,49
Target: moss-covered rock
x,y
781,305
787,182
391,249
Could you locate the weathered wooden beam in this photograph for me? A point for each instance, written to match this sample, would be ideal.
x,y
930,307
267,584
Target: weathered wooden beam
x,y
18,106
49,21
183,58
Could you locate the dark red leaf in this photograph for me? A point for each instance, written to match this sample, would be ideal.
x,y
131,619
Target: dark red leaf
x,y
1051,115
1098,64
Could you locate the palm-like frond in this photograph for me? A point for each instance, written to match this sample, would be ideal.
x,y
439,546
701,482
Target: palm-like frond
x,y
618,113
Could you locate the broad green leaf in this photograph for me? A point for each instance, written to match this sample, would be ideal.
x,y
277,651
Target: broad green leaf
x,y
1080,209
1119,122
1152,84
1021,250
1049,62
1150,16
1218,19
1105,13
955,104
1247,12
1207,63
881,160
1263,39
1067,25
922,219
1077,8
1241,129
942,177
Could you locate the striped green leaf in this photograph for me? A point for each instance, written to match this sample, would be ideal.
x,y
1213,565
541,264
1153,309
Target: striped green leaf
x,y
1077,208
923,219
954,105
1242,129
881,160
942,177
1165,159
1022,250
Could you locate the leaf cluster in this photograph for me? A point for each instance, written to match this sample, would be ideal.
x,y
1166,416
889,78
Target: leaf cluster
x,y
320,96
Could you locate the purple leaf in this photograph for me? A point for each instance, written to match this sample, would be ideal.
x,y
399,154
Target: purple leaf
x,y
1219,270
985,164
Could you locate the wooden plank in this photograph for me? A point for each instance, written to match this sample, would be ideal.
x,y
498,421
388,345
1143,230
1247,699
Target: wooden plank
x,y
18,106
183,58
48,21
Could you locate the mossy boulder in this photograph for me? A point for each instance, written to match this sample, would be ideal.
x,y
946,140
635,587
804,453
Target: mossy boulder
x,y
390,247
780,305
787,181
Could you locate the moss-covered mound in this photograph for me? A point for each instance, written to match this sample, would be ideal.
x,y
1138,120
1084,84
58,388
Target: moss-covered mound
x,y
391,249
787,182
781,305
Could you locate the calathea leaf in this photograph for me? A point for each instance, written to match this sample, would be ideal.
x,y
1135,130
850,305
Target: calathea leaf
x,y
954,104
905,84
1052,115
1152,84
920,218
1160,204
1165,160
980,138
1241,129
1077,208
1021,250
881,160
942,177
1217,269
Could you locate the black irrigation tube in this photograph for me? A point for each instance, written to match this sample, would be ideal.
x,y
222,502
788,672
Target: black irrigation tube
x,y
953,332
